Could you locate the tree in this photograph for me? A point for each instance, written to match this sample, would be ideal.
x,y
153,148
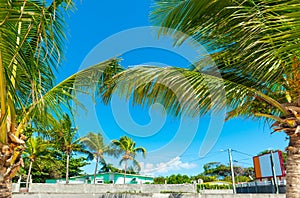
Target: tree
x,y
178,179
204,178
32,35
27,33
95,144
255,48
41,153
128,151
64,136
37,152
159,180
75,165
221,171
43,169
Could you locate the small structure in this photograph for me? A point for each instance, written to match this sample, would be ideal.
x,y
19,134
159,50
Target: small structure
x,y
106,178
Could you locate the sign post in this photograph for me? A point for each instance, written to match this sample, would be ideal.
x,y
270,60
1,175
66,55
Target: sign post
x,y
274,173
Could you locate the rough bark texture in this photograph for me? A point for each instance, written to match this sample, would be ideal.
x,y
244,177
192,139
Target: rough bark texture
x,y
95,172
6,189
293,167
10,163
125,171
67,168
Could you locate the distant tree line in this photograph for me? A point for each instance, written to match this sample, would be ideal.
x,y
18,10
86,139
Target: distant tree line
x,y
216,171
213,171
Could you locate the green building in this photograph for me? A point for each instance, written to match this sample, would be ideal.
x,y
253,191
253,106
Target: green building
x,y
106,178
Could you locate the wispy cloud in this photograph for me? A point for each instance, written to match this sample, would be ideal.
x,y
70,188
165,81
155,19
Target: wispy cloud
x,y
164,167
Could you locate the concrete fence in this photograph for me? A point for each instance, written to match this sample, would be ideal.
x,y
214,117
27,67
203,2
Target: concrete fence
x,y
144,195
111,188
43,190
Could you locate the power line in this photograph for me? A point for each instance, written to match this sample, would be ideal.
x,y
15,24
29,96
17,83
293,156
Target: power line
x,y
244,159
242,153
244,163
213,154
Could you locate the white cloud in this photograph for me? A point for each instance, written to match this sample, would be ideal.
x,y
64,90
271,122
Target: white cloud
x,y
164,167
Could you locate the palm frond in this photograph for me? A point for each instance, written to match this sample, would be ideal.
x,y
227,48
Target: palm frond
x,y
256,37
140,150
136,164
190,92
60,95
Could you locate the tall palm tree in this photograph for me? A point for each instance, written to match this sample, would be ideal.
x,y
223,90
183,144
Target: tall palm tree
x,y
255,47
66,141
37,150
128,151
28,32
32,35
95,144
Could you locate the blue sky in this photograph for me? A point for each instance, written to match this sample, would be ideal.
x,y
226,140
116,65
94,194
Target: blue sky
x,y
103,29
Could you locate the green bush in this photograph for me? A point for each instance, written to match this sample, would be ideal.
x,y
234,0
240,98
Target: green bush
x,y
212,186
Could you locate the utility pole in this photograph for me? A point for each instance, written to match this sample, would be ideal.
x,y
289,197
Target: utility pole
x,y
274,173
232,171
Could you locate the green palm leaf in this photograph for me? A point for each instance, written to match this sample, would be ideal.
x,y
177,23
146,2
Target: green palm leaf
x,y
256,37
184,91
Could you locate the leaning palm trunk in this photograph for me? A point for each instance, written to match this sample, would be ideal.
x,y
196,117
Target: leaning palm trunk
x,y
289,123
28,56
15,43
293,166
96,167
125,171
28,175
6,189
4,183
293,169
67,168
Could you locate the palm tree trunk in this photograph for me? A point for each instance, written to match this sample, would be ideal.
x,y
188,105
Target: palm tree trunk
x,y
67,168
5,185
125,171
96,167
3,132
293,167
28,176
6,189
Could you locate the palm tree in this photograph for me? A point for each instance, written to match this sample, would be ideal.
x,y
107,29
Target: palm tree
x,y
37,150
255,47
31,47
27,33
95,144
64,136
128,151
